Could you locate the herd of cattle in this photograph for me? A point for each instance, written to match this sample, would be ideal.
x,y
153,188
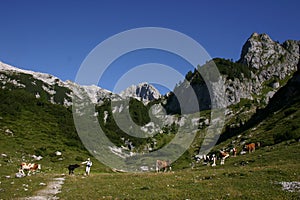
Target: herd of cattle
x,y
161,165
165,165
223,154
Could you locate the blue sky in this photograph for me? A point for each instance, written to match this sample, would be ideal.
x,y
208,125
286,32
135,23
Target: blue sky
x,y
55,36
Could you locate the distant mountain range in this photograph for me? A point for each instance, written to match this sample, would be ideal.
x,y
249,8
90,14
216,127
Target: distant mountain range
x,y
50,87
264,67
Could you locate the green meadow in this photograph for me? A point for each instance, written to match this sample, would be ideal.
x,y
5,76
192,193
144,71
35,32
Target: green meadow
x,y
251,176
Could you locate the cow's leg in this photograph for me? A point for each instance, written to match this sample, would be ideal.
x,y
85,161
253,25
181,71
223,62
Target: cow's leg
x,y
214,162
222,161
22,172
157,167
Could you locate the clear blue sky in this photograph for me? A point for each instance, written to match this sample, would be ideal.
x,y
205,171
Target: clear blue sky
x,y
55,36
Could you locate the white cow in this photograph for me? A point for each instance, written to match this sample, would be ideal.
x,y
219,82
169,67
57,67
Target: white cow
x,y
163,164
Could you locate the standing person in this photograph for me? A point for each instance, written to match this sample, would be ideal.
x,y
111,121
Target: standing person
x,y
88,166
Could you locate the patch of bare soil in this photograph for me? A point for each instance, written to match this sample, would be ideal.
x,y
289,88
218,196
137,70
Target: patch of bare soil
x,y
48,193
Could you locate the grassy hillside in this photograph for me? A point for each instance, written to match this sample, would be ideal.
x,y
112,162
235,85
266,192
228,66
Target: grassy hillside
x,y
30,126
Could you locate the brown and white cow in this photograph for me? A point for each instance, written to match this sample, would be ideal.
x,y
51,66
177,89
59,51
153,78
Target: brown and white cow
x,y
234,151
29,167
250,147
223,156
163,165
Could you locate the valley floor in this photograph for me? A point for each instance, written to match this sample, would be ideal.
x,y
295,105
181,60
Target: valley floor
x,y
260,175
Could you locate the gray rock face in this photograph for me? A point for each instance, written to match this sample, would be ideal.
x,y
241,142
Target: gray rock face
x,y
269,60
260,50
142,92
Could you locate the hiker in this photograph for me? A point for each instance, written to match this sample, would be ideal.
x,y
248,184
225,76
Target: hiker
x,y
88,166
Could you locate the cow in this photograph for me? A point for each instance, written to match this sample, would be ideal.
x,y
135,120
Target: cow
x,y
233,151
163,164
223,155
72,168
250,147
29,167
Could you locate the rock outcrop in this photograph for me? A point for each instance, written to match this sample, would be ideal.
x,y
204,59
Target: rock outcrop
x,y
269,63
143,92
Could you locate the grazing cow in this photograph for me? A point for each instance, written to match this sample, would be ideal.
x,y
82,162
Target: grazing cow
x,y
234,151
250,147
223,156
72,168
162,164
29,167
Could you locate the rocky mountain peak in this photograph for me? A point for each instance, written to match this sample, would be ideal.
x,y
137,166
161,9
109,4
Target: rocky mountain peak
x,y
260,50
142,92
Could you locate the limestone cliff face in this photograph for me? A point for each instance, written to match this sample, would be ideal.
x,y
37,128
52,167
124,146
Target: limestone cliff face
x,y
269,64
270,58
143,92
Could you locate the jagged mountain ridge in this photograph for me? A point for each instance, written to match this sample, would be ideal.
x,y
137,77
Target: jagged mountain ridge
x,y
52,86
269,64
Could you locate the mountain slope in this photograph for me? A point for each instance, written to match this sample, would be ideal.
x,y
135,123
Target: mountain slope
x,y
30,126
278,121
57,91
36,108
49,87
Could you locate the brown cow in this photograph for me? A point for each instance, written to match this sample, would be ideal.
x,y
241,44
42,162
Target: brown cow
x,y
223,156
29,167
162,164
250,147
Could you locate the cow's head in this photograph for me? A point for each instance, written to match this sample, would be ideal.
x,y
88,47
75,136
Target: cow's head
x,y
76,166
